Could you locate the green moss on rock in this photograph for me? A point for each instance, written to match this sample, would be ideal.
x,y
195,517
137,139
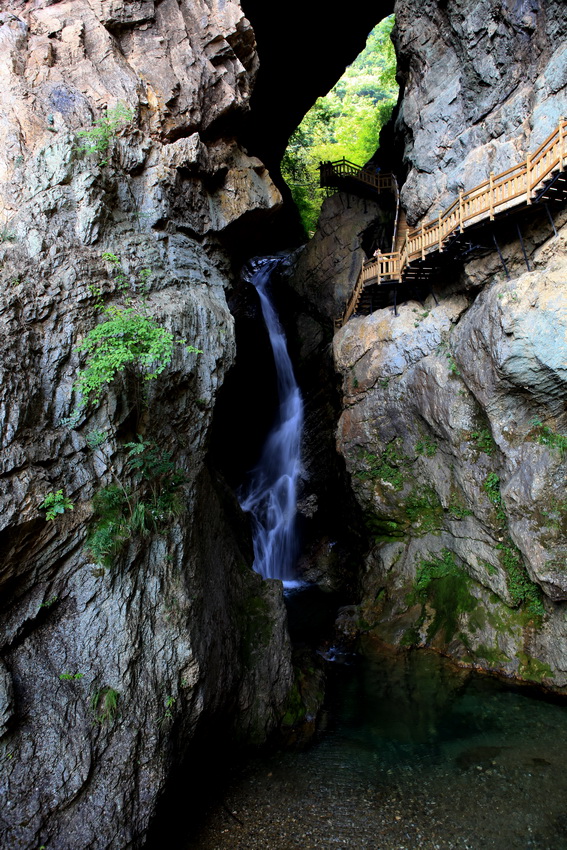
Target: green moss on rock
x,y
442,584
533,669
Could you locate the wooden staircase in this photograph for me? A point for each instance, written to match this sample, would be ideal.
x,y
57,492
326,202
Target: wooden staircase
x,y
541,177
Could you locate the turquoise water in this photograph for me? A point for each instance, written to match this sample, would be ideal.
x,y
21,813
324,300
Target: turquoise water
x,y
413,754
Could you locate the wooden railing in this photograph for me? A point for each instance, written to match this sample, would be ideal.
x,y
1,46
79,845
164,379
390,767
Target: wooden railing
x,y
516,187
330,173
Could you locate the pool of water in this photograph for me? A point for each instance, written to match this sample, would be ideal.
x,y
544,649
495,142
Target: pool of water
x,y
413,754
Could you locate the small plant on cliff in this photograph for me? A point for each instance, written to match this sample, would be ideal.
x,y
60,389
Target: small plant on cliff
x,y
484,441
522,589
546,437
492,490
168,715
127,339
121,512
98,137
55,504
104,703
389,467
426,447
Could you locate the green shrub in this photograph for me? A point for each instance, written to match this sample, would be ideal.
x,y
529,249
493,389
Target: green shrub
x,y
128,338
388,466
426,447
121,512
484,441
97,138
125,338
104,704
492,490
55,504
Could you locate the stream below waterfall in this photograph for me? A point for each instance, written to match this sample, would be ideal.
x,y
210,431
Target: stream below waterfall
x,y
413,754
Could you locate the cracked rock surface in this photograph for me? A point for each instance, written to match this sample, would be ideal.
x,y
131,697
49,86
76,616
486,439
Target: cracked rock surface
x,y
178,630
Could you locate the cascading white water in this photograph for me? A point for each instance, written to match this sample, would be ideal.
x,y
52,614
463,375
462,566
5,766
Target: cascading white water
x,y
271,495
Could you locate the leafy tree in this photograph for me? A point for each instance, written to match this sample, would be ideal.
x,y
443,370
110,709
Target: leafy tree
x,y
344,123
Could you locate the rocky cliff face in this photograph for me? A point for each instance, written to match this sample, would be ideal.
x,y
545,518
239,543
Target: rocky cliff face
x,y
107,674
484,84
453,415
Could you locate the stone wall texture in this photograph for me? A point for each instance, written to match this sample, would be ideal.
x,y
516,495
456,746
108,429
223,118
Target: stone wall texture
x,y
453,412
179,627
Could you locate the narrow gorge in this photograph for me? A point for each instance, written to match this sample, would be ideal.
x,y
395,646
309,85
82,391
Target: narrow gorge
x,y
414,484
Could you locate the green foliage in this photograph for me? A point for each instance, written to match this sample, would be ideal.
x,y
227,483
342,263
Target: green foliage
x,y
556,516
445,349
432,568
490,568
445,586
492,489
484,441
71,677
104,704
109,529
522,589
121,512
97,139
424,510
7,236
95,439
49,602
168,714
547,437
55,504
388,467
127,339
458,511
426,447
344,123
532,668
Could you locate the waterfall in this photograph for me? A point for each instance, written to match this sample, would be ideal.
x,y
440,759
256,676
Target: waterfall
x,y
271,494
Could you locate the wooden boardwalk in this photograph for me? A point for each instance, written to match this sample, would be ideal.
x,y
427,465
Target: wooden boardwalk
x,y
512,190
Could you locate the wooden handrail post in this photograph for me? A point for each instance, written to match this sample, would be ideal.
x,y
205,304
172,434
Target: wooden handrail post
x,y
440,240
492,196
461,210
561,143
528,179
422,240
378,257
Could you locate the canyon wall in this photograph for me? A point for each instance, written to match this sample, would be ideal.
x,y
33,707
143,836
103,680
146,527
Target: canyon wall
x,y
453,410
108,673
